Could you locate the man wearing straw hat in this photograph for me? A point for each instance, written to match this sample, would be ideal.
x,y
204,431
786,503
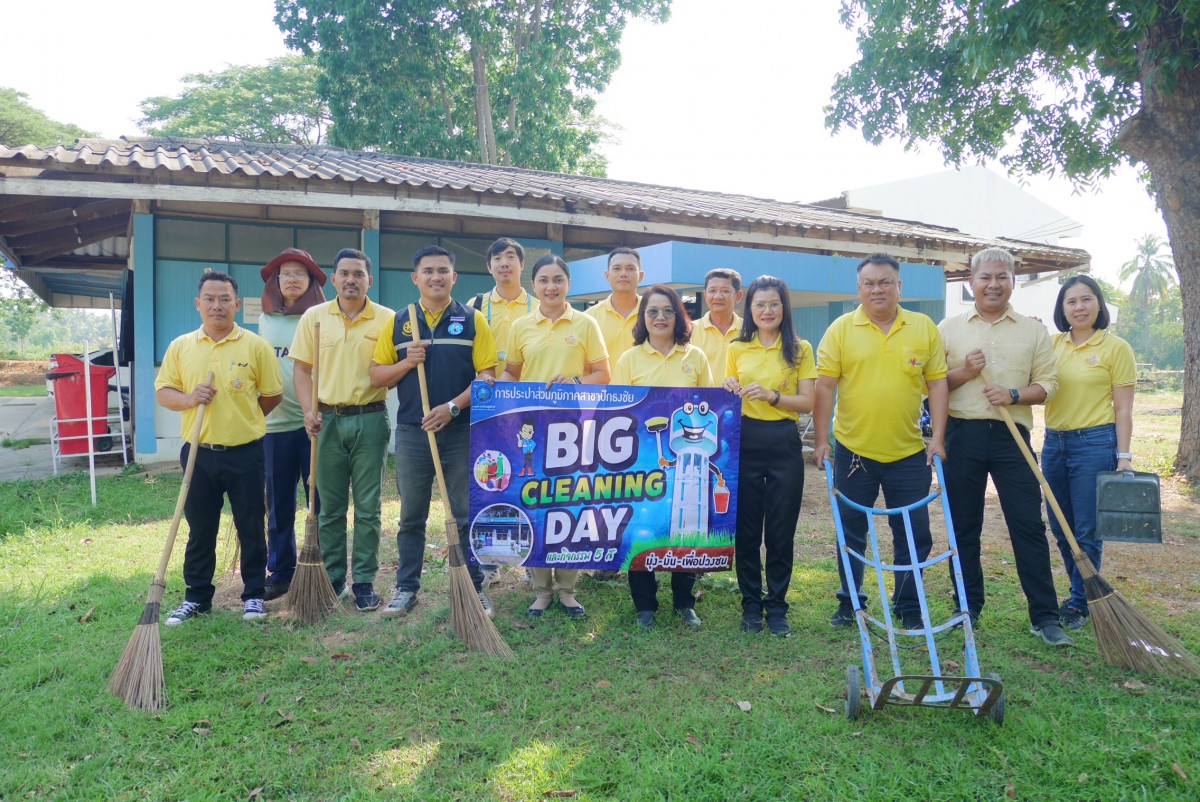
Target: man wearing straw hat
x,y
350,422
247,385
292,284
455,344
1018,357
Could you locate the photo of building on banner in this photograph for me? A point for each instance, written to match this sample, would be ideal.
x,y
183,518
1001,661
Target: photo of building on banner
x,y
604,477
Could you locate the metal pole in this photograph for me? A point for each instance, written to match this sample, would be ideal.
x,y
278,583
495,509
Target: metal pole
x,y
91,446
112,309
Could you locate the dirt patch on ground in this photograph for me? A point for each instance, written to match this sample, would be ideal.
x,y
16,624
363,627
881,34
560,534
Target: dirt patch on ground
x,y
20,373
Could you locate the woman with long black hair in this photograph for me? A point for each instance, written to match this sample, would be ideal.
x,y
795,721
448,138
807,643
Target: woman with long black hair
x,y
774,373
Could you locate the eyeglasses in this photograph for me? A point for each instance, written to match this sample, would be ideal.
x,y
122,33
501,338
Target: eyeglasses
x,y
767,306
665,314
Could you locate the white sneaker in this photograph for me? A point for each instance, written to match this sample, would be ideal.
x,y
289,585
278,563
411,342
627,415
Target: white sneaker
x,y
254,610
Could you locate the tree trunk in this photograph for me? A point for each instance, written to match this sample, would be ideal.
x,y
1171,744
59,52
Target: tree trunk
x,y
1163,135
483,107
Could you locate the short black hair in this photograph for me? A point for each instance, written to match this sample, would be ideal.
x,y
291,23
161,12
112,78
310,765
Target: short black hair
x,y
351,253
432,250
503,244
727,273
216,275
1060,317
879,259
618,251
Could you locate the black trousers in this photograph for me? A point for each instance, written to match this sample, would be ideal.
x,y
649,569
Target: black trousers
x,y
975,449
239,474
643,587
770,483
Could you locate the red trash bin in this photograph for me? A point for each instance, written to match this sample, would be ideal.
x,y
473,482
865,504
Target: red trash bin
x,y
70,401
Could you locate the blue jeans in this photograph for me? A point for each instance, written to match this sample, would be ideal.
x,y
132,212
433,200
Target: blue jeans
x,y
903,482
287,455
414,481
1071,460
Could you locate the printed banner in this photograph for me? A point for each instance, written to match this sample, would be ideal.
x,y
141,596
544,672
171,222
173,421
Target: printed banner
x,y
604,477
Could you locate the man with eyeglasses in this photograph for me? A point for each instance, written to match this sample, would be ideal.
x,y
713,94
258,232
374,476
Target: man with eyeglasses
x,y
246,386
881,360
721,324
1018,355
454,343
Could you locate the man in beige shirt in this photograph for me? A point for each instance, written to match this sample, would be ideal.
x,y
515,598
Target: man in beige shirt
x,y
1019,359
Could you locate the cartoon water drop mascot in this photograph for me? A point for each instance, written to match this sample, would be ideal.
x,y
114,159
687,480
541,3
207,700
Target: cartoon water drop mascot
x,y
693,439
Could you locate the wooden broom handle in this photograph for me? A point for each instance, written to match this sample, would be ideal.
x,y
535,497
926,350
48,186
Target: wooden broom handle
x,y
313,404
433,447
189,468
1053,502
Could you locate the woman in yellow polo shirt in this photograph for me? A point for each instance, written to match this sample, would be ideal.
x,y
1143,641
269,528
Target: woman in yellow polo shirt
x,y
774,372
1089,423
555,344
662,356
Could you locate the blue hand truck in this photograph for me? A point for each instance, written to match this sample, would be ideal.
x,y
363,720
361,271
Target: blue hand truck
x,y
982,695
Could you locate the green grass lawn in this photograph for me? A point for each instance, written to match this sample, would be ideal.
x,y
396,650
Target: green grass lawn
x,y
363,708
34,391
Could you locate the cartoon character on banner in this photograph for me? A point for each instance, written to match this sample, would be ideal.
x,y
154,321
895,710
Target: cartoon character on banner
x,y
693,439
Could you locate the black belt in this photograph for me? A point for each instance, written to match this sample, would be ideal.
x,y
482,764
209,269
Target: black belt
x,y
351,409
219,447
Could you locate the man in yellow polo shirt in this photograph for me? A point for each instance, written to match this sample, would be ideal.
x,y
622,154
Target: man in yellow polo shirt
x,y
455,345
247,384
721,324
350,422
617,313
880,360
1019,358
508,300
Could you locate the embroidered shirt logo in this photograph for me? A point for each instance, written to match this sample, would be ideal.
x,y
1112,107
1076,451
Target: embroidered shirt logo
x,y
407,328
571,339
455,329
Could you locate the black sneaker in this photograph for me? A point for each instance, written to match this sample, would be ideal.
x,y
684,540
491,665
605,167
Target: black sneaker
x,y
339,588
402,601
689,617
365,597
777,625
186,611
911,619
1053,635
1071,617
751,623
844,617
273,590
645,619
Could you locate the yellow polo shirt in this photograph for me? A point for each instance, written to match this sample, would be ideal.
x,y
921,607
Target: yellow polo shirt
x,y
501,314
346,350
713,343
545,348
881,381
643,365
616,328
751,362
244,367
1087,375
483,348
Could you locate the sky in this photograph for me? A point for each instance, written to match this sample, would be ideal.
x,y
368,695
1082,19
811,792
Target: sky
x,y
725,97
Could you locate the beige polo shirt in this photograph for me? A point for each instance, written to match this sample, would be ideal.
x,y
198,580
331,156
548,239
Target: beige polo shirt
x,y
346,350
1018,351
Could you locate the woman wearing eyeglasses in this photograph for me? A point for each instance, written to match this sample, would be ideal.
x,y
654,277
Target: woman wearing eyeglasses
x,y
662,356
774,373
555,344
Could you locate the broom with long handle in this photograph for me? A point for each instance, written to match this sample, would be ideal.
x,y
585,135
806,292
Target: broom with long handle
x,y
311,596
138,677
1125,637
467,617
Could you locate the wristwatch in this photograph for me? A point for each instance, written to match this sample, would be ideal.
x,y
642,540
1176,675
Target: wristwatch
x,y
1125,455
454,410
1016,396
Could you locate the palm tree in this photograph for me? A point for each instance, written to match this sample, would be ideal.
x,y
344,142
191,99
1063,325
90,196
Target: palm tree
x,y
1153,273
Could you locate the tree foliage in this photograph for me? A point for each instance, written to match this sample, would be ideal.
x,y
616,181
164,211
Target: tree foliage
x,y
21,124
1046,86
275,102
1153,272
509,82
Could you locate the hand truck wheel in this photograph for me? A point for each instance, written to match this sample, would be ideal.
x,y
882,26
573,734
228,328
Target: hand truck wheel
x,y
996,713
854,692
